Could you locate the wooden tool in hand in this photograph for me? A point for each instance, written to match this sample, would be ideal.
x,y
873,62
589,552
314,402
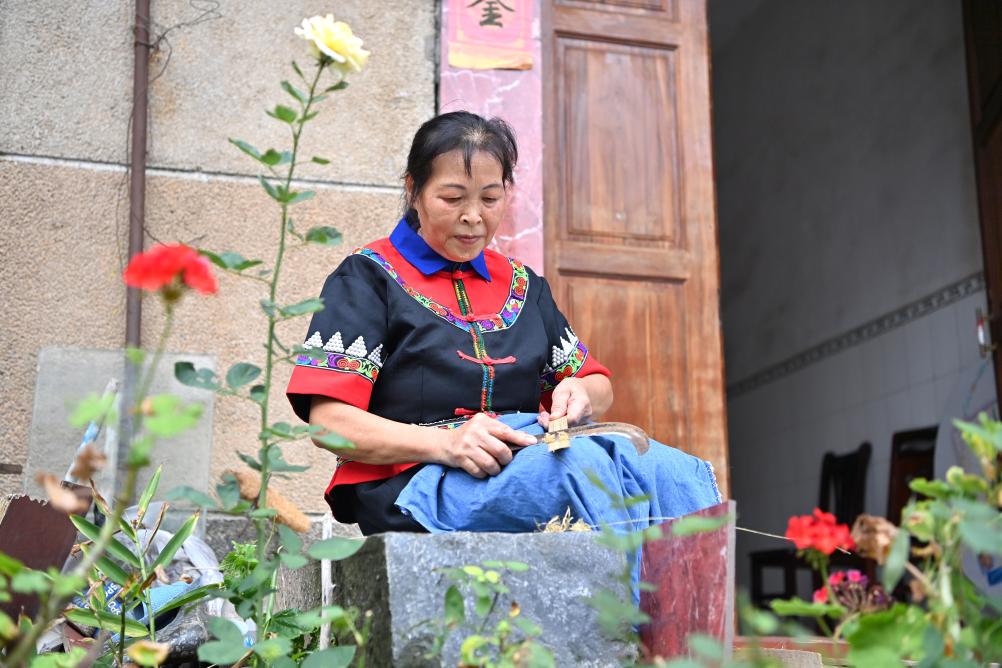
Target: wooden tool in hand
x,y
557,439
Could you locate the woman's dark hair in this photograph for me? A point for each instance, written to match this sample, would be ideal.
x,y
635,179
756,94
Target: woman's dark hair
x,y
464,131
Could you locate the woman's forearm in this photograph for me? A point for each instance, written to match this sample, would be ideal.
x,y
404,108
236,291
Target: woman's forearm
x,y
376,439
599,390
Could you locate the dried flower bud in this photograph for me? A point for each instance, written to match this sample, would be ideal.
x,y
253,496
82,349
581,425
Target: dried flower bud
x,y
61,498
89,461
918,590
873,536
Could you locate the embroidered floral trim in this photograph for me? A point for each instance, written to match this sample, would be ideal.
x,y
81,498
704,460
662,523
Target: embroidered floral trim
x,y
575,360
494,322
343,363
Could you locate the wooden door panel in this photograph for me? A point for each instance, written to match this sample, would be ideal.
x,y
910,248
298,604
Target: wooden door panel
x,y
621,179
651,345
636,6
630,222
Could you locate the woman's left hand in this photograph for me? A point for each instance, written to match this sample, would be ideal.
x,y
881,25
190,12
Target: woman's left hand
x,y
570,398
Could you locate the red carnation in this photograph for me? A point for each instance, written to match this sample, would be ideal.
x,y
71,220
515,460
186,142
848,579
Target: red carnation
x,y
168,268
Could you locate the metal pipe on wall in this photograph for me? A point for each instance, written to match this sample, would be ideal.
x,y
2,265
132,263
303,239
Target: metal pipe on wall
x,y
137,167
137,220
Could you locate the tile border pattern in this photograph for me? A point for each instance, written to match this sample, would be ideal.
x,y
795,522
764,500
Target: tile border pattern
x,y
881,325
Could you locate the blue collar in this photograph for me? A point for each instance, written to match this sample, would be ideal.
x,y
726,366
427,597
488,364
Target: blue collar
x,y
417,251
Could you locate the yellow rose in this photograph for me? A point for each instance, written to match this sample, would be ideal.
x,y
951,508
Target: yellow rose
x,y
333,41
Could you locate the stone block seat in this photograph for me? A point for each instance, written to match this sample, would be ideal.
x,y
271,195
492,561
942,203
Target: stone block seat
x,y
399,577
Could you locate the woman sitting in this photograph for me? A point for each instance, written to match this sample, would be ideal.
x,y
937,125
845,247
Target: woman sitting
x,y
436,356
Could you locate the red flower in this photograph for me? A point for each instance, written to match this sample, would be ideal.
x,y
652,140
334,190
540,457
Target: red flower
x,y
837,578
821,595
818,531
167,268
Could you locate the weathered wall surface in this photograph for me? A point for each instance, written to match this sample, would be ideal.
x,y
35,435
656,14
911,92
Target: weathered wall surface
x,y
64,123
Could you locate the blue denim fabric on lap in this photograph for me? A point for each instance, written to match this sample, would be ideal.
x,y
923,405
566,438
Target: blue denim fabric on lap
x,y
538,485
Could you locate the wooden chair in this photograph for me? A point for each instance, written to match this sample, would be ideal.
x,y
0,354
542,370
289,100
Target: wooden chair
x,y
843,493
912,456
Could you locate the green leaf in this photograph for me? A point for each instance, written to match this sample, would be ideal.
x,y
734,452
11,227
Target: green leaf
x,y
257,393
148,653
136,356
332,657
294,197
311,305
147,495
283,113
455,607
882,638
320,161
323,235
335,548
316,618
796,607
246,148
30,582
249,461
293,561
295,68
93,408
277,463
896,558
706,646
174,544
192,496
105,620
139,451
116,549
273,158
289,539
170,417
936,489
9,565
263,514
71,659
294,92
694,524
229,260
272,648
340,85
270,189
241,373
229,646
192,596
112,570
186,374
268,307
332,441
469,651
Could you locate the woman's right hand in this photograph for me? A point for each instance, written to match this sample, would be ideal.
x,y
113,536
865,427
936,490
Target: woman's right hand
x,y
480,447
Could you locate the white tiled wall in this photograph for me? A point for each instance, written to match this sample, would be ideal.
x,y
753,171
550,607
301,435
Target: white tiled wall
x,y
779,432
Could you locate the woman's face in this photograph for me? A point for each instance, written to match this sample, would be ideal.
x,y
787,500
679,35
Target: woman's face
x,y
460,212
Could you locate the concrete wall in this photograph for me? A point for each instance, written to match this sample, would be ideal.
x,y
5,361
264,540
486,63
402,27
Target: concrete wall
x,y
844,167
64,123
846,192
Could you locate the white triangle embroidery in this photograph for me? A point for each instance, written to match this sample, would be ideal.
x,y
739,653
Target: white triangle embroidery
x,y
559,357
314,341
335,345
357,348
374,356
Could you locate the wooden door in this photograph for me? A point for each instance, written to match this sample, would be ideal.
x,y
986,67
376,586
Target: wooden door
x,y
631,239
983,25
